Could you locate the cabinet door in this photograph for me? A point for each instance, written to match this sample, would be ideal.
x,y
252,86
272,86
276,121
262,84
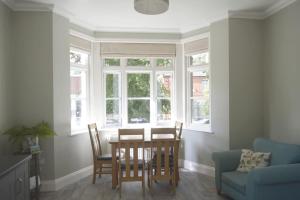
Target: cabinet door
x,y
22,182
7,186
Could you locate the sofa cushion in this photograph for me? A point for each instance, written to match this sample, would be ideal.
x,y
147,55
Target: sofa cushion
x,y
236,180
281,153
251,160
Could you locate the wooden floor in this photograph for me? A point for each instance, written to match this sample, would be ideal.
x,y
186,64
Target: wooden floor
x,y
192,186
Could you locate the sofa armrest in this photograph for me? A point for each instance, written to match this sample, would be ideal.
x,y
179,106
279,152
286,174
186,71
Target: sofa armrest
x,y
225,161
279,174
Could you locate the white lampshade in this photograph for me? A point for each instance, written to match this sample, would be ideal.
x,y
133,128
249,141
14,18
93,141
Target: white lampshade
x,y
151,7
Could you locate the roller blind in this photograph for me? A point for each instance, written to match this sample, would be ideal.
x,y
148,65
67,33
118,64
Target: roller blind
x,y
80,43
196,46
138,50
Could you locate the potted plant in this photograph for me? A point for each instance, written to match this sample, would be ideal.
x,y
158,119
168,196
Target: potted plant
x,y
27,138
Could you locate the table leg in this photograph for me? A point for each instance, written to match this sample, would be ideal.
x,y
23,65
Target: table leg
x,y
176,170
114,166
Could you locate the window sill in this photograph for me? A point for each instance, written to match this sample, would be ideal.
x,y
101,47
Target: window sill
x,y
78,132
202,129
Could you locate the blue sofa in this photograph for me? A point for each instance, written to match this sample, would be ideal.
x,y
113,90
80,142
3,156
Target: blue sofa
x,y
279,181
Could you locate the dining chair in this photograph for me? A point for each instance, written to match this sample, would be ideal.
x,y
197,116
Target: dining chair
x,y
164,153
100,161
132,165
178,127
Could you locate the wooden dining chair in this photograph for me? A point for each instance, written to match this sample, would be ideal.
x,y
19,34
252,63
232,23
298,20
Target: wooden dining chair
x,y
178,127
132,165
164,154
101,161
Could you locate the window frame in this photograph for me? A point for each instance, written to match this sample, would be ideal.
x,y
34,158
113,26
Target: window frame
x,y
87,69
153,69
189,70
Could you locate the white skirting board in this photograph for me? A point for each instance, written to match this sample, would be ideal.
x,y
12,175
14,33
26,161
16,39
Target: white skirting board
x,y
54,185
196,167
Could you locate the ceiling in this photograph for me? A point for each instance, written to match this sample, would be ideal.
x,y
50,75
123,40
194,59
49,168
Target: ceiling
x,y
183,15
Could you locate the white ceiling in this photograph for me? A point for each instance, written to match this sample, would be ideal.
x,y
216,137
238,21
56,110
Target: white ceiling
x,y
183,15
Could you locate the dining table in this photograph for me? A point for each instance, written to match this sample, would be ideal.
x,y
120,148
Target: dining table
x,y
114,142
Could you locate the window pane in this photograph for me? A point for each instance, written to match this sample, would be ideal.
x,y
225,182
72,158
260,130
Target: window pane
x,y
138,85
78,114
138,62
138,111
78,83
200,83
108,62
164,62
112,112
200,111
164,84
199,59
112,85
163,109
79,58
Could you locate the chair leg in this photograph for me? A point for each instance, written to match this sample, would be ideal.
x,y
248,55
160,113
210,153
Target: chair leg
x,y
100,170
94,174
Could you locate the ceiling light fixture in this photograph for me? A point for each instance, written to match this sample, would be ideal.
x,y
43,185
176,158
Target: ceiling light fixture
x,y
151,7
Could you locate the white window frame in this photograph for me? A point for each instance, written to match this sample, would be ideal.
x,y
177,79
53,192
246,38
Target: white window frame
x,y
189,70
85,68
123,69
113,98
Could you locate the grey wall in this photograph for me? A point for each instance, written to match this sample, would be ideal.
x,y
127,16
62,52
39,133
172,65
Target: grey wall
x,y
72,153
199,146
245,81
33,82
281,75
6,90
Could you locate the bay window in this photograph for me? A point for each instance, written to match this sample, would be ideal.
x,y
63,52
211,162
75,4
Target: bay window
x,y
138,90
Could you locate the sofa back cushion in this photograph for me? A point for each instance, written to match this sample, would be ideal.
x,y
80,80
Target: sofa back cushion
x,y
281,153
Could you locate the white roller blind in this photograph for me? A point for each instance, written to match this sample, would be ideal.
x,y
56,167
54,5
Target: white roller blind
x,y
138,50
196,46
80,43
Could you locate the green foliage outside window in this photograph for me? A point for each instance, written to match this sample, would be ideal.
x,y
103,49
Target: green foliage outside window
x,y
163,62
112,62
138,85
138,62
138,111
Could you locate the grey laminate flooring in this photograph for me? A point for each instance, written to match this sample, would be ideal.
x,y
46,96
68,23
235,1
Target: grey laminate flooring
x,y
192,186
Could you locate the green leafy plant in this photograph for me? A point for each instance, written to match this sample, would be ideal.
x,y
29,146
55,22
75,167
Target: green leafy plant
x,y
18,134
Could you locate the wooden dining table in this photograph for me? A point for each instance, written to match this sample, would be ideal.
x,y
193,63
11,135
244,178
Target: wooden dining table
x,y
147,144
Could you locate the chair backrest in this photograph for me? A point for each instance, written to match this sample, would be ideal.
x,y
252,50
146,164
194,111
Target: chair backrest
x,y
163,133
133,149
95,140
164,154
131,134
178,127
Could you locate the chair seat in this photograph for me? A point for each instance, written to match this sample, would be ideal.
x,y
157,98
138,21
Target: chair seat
x,y
123,164
236,180
106,157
